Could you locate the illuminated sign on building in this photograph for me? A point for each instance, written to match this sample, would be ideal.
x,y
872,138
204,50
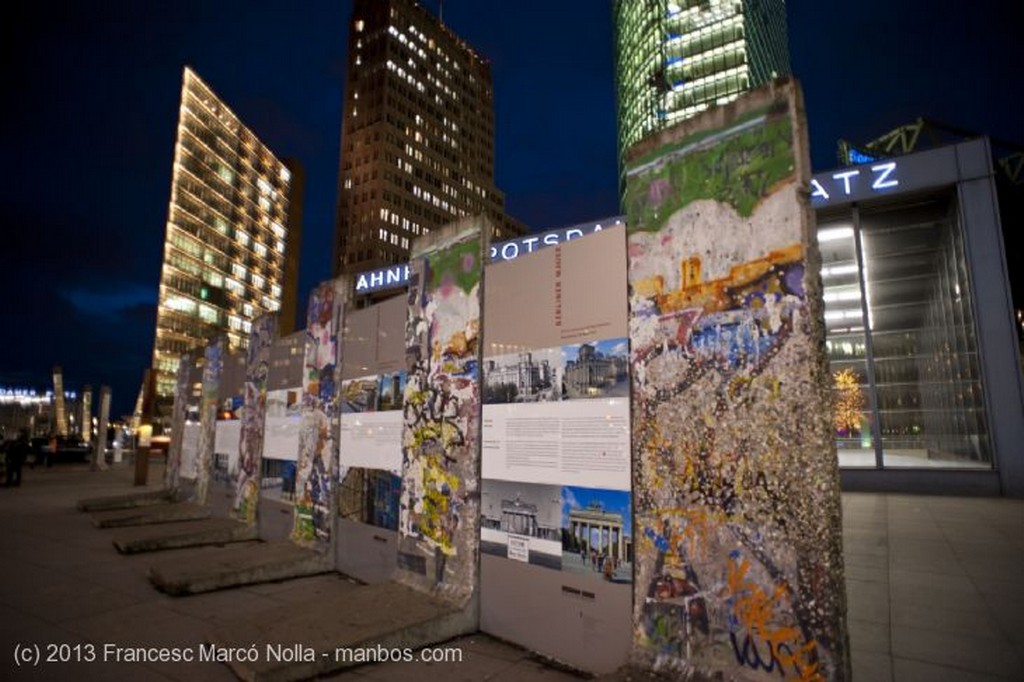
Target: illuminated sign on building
x,y
854,183
397,275
382,278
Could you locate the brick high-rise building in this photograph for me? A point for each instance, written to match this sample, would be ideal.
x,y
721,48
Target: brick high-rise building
x,y
228,234
417,141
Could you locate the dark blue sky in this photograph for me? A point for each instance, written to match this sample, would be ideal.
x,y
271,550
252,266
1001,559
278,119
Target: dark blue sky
x,y
91,106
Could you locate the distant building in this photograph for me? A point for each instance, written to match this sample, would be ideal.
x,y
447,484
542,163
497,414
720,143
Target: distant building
x,y
676,58
230,232
417,141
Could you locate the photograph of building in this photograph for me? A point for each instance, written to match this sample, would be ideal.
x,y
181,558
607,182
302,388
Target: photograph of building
x,y
596,370
391,391
529,376
523,516
360,395
597,536
228,234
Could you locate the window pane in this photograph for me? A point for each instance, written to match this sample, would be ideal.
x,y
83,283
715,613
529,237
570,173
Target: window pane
x,y
922,331
845,344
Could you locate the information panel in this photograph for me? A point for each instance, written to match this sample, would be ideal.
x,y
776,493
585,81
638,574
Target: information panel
x,y
556,525
282,424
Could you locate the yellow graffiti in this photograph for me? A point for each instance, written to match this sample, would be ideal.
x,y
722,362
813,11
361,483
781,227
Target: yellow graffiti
x,y
439,487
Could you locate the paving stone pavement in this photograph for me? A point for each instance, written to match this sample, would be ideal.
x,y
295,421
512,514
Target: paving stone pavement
x,y
935,590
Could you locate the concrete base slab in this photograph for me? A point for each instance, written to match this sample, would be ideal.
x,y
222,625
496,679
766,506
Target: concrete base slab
x,y
127,501
245,565
184,534
143,516
360,625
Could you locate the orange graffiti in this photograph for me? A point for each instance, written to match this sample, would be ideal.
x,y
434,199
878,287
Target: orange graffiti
x,y
755,610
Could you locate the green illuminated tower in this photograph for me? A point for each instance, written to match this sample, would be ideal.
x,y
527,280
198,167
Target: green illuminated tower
x,y
674,58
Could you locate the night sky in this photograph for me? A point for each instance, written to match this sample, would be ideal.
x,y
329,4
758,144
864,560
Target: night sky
x,y
91,106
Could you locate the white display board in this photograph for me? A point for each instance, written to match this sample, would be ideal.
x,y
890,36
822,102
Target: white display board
x,y
228,434
372,440
281,438
576,442
189,467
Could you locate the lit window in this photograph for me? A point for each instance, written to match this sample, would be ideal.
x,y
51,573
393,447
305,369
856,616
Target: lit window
x,y
208,314
180,304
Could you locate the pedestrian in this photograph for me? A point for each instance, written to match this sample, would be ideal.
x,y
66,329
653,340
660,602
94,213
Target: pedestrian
x,y
16,455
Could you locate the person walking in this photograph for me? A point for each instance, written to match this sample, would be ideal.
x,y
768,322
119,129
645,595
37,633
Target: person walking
x,y
16,455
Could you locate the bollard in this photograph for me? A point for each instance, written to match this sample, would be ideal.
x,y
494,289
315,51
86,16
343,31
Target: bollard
x,y
141,465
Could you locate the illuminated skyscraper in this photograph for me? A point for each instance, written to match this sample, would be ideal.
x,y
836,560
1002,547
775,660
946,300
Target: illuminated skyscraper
x,y
417,141
228,233
674,58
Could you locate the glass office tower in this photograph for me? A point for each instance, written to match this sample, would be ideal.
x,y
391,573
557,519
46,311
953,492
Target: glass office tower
x,y
227,234
676,58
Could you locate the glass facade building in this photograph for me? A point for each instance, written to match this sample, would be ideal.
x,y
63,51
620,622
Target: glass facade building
x,y
228,233
919,324
899,315
676,58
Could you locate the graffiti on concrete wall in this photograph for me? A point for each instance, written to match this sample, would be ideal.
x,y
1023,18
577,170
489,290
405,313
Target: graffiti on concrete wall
x,y
318,442
438,517
738,558
250,446
182,391
213,366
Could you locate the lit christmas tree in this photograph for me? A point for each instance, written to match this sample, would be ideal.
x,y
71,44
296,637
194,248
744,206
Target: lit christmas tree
x,y
849,402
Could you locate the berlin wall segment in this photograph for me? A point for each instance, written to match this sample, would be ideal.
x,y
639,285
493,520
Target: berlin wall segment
x,y
318,442
182,390
736,489
250,446
212,368
439,513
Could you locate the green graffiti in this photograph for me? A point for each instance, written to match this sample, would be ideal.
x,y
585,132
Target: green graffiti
x,y
740,168
457,265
